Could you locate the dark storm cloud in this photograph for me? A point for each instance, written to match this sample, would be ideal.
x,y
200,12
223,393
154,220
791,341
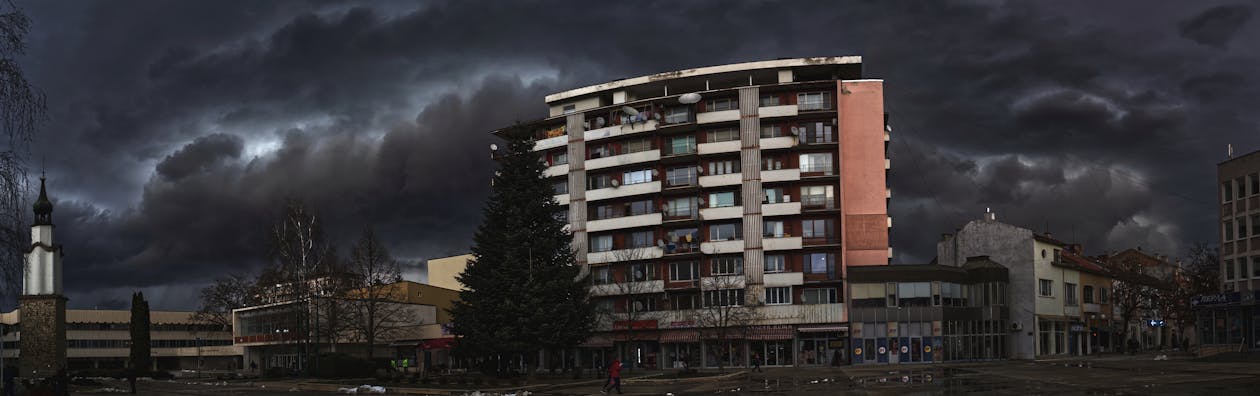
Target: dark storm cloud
x,y
1217,25
176,131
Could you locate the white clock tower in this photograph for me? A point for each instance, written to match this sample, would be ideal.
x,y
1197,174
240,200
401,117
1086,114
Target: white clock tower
x,y
43,308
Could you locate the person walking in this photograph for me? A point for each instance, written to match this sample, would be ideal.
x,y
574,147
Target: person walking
x,y
756,362
614,377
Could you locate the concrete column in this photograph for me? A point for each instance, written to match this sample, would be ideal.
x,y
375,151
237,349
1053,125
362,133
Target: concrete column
x,y
577,189
751,192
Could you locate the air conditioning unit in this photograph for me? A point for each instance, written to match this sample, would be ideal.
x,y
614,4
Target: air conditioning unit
x,y
1016,326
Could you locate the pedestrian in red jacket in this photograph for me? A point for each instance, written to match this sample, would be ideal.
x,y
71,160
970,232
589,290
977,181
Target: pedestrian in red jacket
x,y
614,377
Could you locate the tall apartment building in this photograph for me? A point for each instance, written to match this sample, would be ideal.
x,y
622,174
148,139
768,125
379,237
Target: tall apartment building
x,y
1231,318
752,185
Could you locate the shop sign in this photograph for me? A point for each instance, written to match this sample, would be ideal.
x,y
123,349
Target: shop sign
x,y
683,323
1076,328
634,325
1216,299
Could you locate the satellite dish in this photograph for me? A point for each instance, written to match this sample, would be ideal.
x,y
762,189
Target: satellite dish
x,y
703,202
599,122
660,242
615,183
494,147
656,116
796,131
700,169
656,172
664,207
689,98
629,111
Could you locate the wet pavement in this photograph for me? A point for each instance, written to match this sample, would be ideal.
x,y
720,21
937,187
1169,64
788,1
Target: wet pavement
x,y
1095,376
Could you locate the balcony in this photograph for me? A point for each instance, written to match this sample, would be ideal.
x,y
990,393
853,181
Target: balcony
x,y
616,223
779,175
717,116
562,199
623,159
623,191
784,243
777,111
620,130
551,142
612,289
682,247
1072,310
817,202
1092,308
781,209
722,282
722,247
612,256
821,240
780,142
558,170
729,146
729,179
807,313
779,279
722,213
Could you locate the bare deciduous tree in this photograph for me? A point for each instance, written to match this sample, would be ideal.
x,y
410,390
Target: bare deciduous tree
x,y
630,290
726,313
22,108
301,255
225,294
376,306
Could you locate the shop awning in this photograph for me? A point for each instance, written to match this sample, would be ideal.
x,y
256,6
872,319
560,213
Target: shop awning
x,y
680,336
822,329
765,333
597,341
439,343
406,343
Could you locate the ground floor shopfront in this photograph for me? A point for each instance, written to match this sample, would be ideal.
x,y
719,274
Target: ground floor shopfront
x,y
1228,319
769,346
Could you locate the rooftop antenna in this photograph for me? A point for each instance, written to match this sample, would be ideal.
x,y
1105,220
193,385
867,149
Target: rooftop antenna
x,y
1229,149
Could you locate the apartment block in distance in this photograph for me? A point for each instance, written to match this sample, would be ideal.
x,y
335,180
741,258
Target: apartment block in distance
x,y
1229,320
750,185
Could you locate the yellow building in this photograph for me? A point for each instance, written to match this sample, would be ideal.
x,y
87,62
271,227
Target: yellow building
x,y
444,270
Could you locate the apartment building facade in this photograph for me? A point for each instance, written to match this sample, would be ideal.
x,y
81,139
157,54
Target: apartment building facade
x,y
752,185
1231,318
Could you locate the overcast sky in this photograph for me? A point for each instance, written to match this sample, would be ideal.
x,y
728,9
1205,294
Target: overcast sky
x,y
176,127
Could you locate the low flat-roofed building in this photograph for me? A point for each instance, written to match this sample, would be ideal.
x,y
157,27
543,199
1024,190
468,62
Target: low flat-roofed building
x,y
442,271
101,339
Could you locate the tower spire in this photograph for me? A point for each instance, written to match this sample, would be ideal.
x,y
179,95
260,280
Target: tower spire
x,y
43,207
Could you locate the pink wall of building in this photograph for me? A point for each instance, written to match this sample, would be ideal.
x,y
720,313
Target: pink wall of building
x,y
863,186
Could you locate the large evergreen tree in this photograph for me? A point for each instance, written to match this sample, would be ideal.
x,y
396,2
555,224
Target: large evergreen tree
x,y
522,292
140,334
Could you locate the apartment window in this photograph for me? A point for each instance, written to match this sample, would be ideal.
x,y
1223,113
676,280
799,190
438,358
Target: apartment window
x,y
681,176
1242,268
595,182
601,275
1227,190
1242,227
601,243
684,236
723,167
1229,230
769,100
684,271
687,301
1229,269
727,265
636,177
820,230
778,295
819,296
724,232
818,197
1087,294
681,145
724,298
820,263
1255,183
775,263
681,207
816,132
605,212
562,216
675,115
640,272
570,109
816,163
1242,187
775,195
1102,295
1255,267
771,163
637,145
1069,294
560,187
639,207
722,199
722,135
721,104
1045,288
890,290
601,151
771,131
641,304
558,158
772,228
813,101
641,239
914,294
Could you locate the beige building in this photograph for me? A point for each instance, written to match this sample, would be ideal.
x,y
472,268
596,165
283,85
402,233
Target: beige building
x,y
443,271
100,339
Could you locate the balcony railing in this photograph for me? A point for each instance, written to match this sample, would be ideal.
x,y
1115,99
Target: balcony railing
x,y
679,149
817,202
821,240
686,180
682,247
818,169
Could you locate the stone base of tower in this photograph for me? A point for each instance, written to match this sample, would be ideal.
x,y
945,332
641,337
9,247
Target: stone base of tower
x,y
43,339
